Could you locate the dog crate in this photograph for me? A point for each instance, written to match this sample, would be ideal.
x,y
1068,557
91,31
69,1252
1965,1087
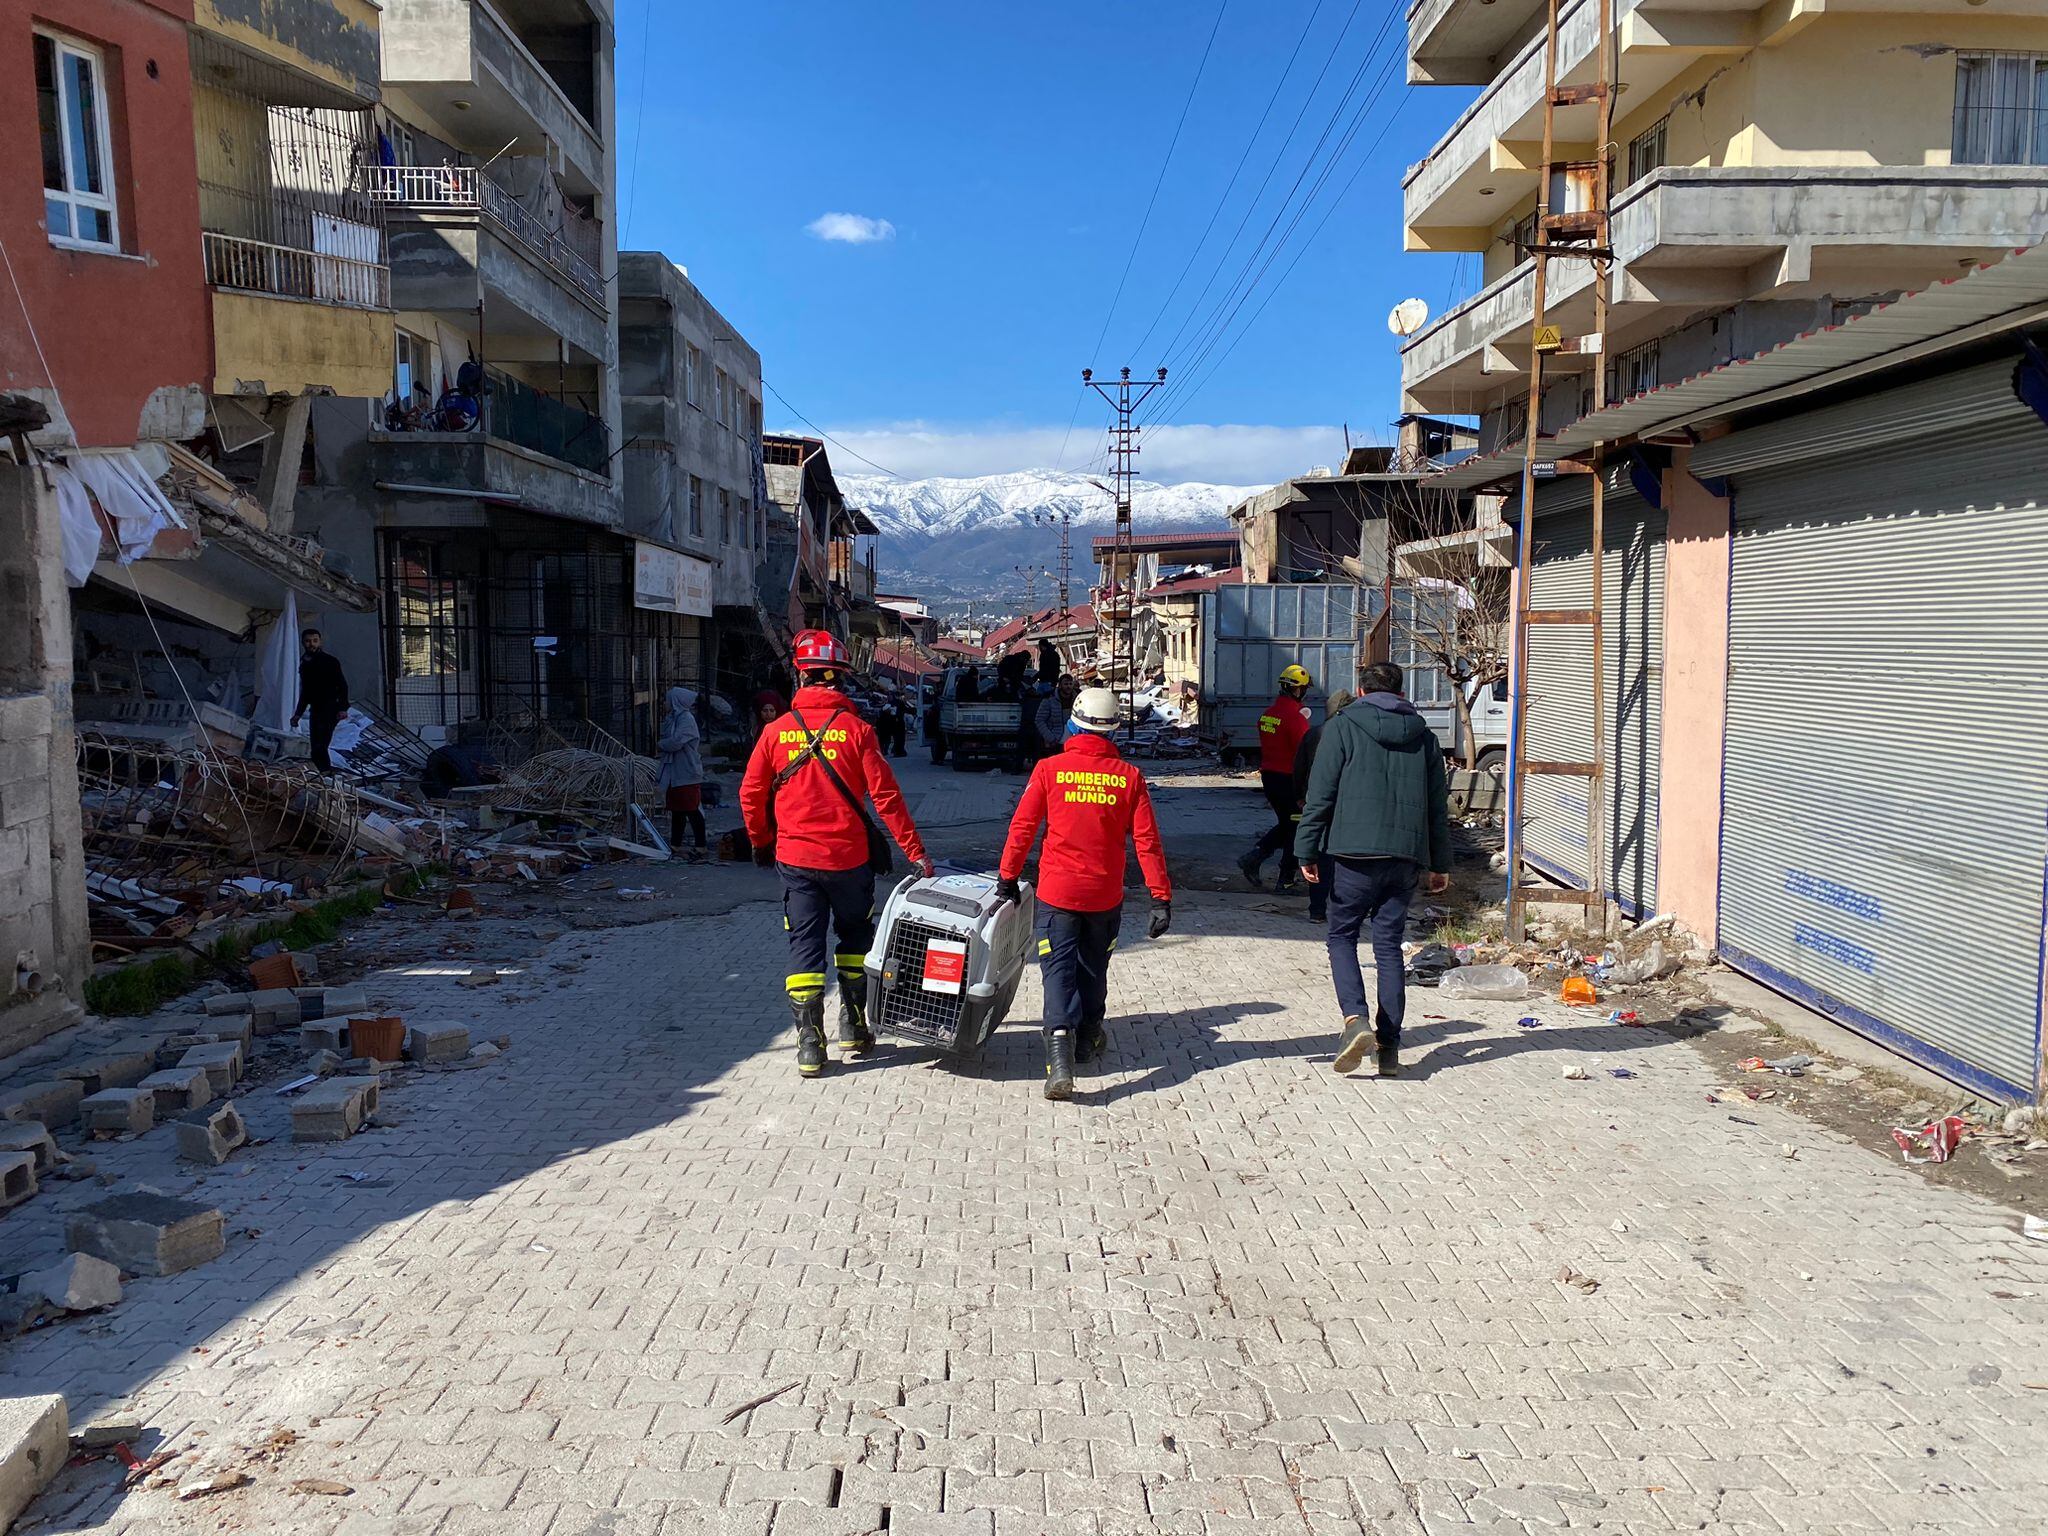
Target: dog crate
x,y
947,958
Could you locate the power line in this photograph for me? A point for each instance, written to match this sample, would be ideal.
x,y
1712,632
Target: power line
x,y
639,122
1231,186
827,436
1160,180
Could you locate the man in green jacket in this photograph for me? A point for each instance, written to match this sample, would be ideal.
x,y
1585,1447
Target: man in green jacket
x,y
1378,807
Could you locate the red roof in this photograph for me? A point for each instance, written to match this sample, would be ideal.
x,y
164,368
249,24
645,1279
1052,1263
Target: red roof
x,y
1054,623
1180,586
895,659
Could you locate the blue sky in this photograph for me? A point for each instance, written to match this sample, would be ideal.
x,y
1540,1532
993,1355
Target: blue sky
x,y
919,213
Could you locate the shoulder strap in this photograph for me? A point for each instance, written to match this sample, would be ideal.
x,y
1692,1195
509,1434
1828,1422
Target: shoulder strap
x,y
810,749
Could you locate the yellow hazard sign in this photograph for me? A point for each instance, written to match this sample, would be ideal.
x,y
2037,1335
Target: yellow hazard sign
x,y
1547,338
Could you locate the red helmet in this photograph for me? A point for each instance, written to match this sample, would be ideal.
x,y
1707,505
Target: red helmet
x,y
820,648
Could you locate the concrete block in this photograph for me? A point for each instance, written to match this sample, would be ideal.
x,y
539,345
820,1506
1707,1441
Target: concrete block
x,y
326,1063
35,1442
17,1178
119,1111
54,1103
32,1137
312,1002
80,1283
335,1110
172,1048
329,1034
238,1027
111,1069
222,1061
309,963
278,1006
230,1002
431,1043
337,1002
178,1089
208,1135
149,1234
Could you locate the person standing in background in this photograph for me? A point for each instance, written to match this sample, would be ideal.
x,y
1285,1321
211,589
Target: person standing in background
x,y
1304,765
1281,729
682,768
323,693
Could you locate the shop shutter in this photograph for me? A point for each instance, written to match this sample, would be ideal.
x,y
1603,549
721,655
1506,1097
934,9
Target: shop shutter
x,y
1886,772
1559,693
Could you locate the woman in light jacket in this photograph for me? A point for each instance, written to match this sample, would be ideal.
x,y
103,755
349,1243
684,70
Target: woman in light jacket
x,y
682,767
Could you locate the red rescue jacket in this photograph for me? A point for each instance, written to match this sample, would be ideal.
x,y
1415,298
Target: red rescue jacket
x,y
814,826
1280,731
1089,799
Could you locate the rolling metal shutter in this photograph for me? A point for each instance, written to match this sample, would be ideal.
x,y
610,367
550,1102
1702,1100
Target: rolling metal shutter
x,y
1885,809
1560,687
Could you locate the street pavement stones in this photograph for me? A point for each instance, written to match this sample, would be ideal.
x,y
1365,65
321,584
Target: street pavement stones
x,y
1224,1290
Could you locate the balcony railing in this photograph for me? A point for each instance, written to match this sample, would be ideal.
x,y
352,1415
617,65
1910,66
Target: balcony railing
x,y
519,413
465,187
255,266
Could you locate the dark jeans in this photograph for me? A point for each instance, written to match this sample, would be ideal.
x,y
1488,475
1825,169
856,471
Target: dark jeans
x,y
324,722
1376,891
818,902
1279,788
1319,893
1073,959
690,822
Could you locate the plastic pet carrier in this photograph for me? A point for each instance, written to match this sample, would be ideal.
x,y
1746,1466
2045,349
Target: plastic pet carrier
x,y
947,957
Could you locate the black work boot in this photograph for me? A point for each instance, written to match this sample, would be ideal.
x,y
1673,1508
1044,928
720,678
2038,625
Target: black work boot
x,y
810,1035
1059,1065
1390,1059
1351,1044
1090,1044
1248,866
855,1038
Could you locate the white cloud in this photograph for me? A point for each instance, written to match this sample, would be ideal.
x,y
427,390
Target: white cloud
x,y
1219,455
851,228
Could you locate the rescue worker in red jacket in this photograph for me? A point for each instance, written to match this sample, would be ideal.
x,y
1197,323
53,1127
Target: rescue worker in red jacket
x,y
1089,800
1281,729
815,831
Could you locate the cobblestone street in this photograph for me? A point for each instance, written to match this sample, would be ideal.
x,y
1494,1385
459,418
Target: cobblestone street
x,y
636,1277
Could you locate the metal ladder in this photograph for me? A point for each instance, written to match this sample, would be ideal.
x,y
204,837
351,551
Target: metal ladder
x,y
1585,237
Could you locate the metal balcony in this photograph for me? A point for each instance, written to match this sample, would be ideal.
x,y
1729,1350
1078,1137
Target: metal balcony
x,y
567,251
256,266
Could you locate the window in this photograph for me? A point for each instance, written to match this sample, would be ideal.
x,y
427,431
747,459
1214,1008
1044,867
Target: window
x,y
71,110
1523,236
725,517
693,368
723,399
2001,110
1646,150
696,507
1635,371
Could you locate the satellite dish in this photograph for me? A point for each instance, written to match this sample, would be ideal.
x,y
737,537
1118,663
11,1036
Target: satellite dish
x,y
1408,317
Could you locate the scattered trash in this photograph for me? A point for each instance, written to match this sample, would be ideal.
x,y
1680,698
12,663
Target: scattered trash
x,y
1430,964
2021,1121
204,1482
1583,1283
759,1402
353,1175
2036,1228
1490,983
1934,1142
1578,992
1648,966
1619,1072
636,893
1619,1226
1574,1073
1786,1149
1786,1066
298,1085
323,1486
1528,1021
1628,1020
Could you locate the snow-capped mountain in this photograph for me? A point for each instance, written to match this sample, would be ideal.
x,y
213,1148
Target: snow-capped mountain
x,y
964,538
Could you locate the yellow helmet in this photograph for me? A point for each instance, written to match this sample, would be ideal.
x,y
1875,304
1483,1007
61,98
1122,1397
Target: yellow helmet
x,y
1296,676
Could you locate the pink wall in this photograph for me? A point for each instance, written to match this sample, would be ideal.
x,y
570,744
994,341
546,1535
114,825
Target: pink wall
x,y
1696,556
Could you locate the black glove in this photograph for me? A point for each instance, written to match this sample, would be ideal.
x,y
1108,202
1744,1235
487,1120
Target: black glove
x,y
1162,919
1009,890
764,854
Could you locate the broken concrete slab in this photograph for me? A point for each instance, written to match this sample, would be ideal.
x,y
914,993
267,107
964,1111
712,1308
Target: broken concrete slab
x,y
53,1103
32,1137
207,1135
278,1006
238,1027
335,1110
149,1234
118,1112
222,1061
110,1069
326,1063
434,1042
171,1049
34,1444
107,1429
336,1002
178,1089
308,962
231,1002
78,1283
328,1034
17,1178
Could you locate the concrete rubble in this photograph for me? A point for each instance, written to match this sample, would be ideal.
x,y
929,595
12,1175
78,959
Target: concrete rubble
x,y
118,1069
328,1034
17,1178
118,1112
432,1043
53,1103
178,1089
32,1137
335,1110
149,1234
207,1135
80,1283
34,1444
223,1064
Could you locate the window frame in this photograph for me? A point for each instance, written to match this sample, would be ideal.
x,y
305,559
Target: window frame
x,y
2035,154
1661,132
693,363
108,202
696,507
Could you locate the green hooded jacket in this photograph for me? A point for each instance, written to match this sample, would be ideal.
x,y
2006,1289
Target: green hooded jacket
x,y
1377,790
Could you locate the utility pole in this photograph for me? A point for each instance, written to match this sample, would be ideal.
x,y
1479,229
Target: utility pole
x,y
1030,575
1064,521
1123,451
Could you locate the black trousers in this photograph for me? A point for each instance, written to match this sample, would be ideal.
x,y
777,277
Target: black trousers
x,y
1073,959
818,904
323,724
1279,788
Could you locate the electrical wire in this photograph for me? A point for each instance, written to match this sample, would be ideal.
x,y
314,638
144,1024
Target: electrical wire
x,y
827,436
1160,180
639,124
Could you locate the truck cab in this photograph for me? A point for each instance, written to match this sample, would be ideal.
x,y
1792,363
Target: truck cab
x,y
964,722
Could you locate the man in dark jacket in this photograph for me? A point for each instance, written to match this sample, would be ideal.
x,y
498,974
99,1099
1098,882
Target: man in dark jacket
x,y
323,692
1378,804
1304,765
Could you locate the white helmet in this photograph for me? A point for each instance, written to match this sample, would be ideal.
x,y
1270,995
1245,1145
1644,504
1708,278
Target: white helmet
x,y
1096,709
